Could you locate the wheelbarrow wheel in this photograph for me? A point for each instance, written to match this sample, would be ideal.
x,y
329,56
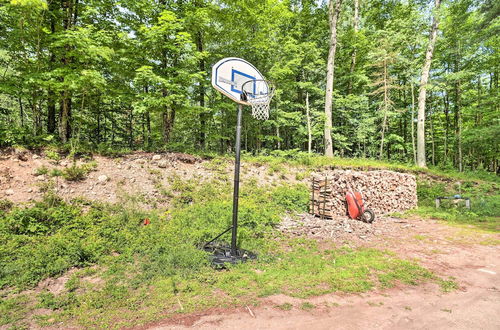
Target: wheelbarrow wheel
x,y
368,216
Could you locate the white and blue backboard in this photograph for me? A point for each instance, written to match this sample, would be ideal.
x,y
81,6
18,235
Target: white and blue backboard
x,y
229,75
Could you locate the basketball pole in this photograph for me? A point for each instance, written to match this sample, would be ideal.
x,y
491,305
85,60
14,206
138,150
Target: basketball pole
x,y
236,191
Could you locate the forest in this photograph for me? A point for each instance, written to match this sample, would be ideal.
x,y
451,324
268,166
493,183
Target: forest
x,y
110,75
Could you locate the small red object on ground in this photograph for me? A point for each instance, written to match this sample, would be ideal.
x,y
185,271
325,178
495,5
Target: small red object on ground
x,y
146,222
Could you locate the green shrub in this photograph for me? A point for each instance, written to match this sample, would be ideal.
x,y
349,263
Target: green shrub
x,y
78,172
52,154
5,204
42,170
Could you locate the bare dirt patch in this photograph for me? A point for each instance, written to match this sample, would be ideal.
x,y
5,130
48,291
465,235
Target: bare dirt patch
x,y
144,177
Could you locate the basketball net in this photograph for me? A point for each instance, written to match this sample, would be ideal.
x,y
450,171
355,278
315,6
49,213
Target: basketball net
x,y
260,103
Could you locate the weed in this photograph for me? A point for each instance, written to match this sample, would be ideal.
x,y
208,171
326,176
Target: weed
x,y
78,173
448,285
42,170
408,308
158,268
285,307
13,310
446,310
52,154
299,176
307,306
5,204
55,172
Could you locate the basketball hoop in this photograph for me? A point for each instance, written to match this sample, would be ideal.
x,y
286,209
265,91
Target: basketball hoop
x,y
240,81
259,94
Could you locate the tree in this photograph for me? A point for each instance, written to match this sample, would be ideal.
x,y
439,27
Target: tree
x,y
421,161
333,15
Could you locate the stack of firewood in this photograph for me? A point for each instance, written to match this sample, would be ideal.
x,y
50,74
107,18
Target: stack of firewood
x,y
383,191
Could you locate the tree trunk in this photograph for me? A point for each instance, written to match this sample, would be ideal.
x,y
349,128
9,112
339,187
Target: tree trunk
x,y
309,132
447,125
64,117
201,94
51,96
51,112
413,125
65,108
423,87
334,12
386,108
168,124
353,56
458,118
432,132
278,137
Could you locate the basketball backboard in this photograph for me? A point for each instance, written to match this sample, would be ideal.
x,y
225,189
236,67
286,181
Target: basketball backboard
x,y
229,75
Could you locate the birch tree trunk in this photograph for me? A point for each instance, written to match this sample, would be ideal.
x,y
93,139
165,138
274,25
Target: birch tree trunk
x,y
413,125
353,56
423,87
309,132
334,12
386,108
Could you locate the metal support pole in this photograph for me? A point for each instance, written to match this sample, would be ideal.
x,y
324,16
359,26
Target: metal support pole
x,y
236,190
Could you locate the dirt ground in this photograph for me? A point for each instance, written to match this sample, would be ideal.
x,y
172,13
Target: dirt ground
x,y
469,256
142,175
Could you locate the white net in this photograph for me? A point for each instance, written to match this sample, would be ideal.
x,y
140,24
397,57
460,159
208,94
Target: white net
x,y
259,95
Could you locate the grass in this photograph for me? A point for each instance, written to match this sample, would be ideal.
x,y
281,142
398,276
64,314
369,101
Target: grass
x,y
78,172
307,306
285,307
485,203
130,274
315,162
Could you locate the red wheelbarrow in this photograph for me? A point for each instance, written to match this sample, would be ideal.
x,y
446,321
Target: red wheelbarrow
x,y
356,208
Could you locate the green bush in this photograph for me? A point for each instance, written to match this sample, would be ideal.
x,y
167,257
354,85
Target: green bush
x,y
5,204
78,172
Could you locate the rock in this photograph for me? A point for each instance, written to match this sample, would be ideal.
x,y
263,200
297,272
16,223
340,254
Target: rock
x,y
162,164
36,156
72,191
64,163
132,180
41,177
139,161
30,190
22,157
156,157
102,178
9,192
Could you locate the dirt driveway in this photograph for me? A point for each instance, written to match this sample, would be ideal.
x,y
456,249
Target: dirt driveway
x,y
469,256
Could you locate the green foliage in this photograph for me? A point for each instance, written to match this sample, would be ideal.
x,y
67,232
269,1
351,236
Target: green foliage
x,y
5,204
78,172
13,310
485,203
161,265
150,89
42,170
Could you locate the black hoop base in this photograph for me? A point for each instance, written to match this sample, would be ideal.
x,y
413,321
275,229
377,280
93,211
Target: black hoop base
x,y
220,255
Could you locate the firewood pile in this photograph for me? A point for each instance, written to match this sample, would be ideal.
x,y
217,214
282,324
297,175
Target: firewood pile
x,y
383,191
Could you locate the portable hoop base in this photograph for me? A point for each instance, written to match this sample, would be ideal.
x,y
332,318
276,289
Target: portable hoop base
x,y
221,254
